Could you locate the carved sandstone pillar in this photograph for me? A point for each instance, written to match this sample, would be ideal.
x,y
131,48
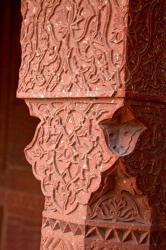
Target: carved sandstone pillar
x,y
93,73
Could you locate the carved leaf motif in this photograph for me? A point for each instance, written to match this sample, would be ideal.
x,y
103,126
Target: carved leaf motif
x,y
119,207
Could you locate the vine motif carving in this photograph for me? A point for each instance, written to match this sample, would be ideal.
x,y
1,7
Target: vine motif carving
x,y
68,152
74,47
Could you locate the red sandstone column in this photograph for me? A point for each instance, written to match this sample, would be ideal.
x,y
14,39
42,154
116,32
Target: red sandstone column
x,y
93,72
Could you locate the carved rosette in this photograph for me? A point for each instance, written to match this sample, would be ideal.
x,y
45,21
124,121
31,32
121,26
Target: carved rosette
x,y
93,71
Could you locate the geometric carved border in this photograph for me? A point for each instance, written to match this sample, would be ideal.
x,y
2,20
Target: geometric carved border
x,y
115,234
118,234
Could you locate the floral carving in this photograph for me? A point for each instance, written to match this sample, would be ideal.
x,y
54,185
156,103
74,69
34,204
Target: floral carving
x,y
118,207
74,47
92,48
68,152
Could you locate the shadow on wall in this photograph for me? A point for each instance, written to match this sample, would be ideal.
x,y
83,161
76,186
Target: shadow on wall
x,y
146,76
21,201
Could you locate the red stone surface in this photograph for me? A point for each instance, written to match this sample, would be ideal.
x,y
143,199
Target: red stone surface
x,y
93,72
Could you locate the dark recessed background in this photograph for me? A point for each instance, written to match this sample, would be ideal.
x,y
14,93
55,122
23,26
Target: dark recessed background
x,y
21,201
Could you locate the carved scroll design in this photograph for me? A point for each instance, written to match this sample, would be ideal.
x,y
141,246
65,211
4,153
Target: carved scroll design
x,y
118,200
73,47
68,152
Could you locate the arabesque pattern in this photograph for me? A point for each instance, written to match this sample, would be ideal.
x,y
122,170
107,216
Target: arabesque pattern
x,y
73,47
68,152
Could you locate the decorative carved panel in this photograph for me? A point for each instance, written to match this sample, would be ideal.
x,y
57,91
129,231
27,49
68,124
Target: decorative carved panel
x,y
93,73
82,42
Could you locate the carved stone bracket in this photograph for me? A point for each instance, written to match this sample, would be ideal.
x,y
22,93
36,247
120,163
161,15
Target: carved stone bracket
x,y
90,72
